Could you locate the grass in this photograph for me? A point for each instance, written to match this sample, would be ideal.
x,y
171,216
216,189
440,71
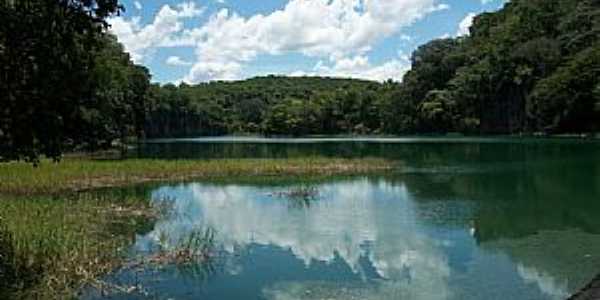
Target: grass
x,y
51,247
79,174
194,248
57,236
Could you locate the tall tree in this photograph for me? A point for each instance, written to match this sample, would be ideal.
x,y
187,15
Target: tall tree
x,y
46,54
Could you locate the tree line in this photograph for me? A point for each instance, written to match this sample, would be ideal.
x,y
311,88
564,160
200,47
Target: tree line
x,y
66,84
533,66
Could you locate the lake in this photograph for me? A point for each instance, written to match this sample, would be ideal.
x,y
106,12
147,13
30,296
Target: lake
x,y
463,218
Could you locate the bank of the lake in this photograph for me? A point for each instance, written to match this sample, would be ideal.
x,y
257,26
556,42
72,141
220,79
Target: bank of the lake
x,y
57,234
52,246
80,174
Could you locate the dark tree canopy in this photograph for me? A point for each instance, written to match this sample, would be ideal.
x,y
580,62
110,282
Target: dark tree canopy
x,y
46,57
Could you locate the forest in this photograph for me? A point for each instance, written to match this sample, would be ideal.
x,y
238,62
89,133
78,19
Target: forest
x,y
67,84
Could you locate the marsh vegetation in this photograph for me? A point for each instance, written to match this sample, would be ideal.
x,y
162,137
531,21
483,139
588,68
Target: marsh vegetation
x,y
85,174
52,246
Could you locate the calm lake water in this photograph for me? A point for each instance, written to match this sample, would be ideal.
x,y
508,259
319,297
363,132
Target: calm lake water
x,y
463,219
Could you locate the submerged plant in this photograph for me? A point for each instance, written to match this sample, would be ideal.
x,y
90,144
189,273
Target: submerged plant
x,y
302,195
196,247
303,192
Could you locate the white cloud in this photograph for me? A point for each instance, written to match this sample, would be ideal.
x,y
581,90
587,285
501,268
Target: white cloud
x,y
445,36
137,5
465,24
142,40
177,61
338,31
216,70
360,67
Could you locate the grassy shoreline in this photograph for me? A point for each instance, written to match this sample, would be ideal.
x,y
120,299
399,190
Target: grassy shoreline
x,y
80,174
52,246
58,235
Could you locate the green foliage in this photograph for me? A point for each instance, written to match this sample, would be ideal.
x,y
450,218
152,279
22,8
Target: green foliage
x,y
62,80
436,111
269,105
532,66
50,247
73,174
116,108
567,101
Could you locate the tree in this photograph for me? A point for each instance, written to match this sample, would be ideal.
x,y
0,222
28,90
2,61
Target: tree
x,y
568,100
116,107
436,113
46,55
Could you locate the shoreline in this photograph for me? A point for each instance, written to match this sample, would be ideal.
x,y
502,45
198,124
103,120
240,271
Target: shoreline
x,y
54,246
77,226
83,174
257,138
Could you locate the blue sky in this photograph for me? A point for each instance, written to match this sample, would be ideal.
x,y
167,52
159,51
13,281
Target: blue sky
x,y
203,40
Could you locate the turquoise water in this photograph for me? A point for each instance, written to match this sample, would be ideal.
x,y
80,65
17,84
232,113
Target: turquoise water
x,y
462,219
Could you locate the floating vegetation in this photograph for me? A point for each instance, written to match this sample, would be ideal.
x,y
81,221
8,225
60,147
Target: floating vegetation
x,y
299,192
299,196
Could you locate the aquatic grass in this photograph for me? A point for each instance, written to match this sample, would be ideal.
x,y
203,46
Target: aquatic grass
x,y
302,192
78,174
193,255
196,247
50,247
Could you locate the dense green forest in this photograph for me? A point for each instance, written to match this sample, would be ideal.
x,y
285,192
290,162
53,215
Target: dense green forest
x,y
66,84
533,66
268,105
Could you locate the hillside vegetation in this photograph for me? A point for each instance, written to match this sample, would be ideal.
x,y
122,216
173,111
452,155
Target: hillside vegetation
x,y
532,66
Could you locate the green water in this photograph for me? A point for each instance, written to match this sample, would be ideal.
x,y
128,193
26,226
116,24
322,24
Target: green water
x,y
462,219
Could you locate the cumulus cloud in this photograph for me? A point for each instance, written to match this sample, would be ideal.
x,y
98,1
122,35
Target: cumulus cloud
x,y
337,31
140,41
360,67
465,24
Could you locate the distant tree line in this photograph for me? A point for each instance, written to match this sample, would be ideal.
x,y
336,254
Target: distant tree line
x,y
66,84
270,105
